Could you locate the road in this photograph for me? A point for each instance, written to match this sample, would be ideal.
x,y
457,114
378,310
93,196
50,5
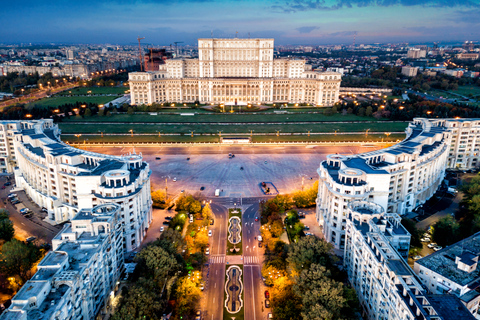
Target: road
x,y
215,281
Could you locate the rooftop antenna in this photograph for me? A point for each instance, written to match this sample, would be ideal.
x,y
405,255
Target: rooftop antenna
x,y
236,34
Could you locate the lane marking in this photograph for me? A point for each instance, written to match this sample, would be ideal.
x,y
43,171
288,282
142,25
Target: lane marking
x,y
253,294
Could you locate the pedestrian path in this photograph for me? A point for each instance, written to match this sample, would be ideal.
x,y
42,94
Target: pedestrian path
x,y
250,260
217,259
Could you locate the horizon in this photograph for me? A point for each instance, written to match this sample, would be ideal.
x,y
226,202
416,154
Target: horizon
x,y
299,22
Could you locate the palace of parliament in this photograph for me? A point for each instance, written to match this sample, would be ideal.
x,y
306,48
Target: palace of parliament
x,y
235,72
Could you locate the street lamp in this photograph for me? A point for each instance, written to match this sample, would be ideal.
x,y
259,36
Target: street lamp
x,y
78,137
366,132
131,131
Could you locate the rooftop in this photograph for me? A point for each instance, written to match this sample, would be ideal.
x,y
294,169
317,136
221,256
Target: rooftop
x,y
443,261
449,307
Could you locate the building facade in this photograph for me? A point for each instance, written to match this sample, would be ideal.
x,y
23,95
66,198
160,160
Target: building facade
x,y
64,179
386,286
78,277
235,71
454,270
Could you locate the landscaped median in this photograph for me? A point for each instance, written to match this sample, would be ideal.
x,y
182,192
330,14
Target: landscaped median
x,y
234,232
234,290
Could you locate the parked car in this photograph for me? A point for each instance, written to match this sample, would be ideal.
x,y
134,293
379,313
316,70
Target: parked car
x,y
8,183
209,233
425,240
437,248
188,159
174,179
157,158
168,218
211,222
256,218
202,188
44,209
207,251
24,210
30,239
16,201
162,228
28,215
301,216
267,294
306,228
432,245
166,222
417,257
11,195
259,244
241,168
267,303
270,316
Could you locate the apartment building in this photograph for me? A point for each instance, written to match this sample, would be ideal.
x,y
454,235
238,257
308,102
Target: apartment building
x,y
398,178
454,270
464,150
64,179
237,72
386,286
77,278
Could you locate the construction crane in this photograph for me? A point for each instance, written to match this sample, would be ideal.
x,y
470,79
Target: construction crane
x,y
140,52
176,50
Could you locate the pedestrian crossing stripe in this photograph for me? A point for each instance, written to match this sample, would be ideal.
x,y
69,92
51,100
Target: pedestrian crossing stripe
x,y
217,259
250,260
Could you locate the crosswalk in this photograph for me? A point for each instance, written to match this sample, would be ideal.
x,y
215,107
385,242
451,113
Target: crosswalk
x,y
221,259
250,260
216,259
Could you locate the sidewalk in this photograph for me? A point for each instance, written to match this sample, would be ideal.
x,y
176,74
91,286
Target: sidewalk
x,y
426,223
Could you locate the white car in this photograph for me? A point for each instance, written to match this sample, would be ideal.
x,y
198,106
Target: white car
x,y
161,229
417,257
432,245
207,251
425,240
436,248
209,233
175,179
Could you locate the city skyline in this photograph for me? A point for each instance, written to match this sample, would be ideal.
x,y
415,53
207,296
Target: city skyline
x,y
302,22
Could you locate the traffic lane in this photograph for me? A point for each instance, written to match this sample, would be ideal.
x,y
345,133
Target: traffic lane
x,y
215,296
250,299
219,230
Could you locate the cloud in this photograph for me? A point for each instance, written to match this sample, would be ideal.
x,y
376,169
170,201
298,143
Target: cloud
x,y
466,16
307,5
306,29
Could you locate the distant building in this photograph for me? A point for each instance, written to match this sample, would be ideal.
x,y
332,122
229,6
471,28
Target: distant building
x,y
154,58
416,53
235,72
409,71
468,56
454,270
78,277
70,54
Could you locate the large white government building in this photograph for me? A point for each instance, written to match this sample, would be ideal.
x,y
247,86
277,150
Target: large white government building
x,y
235,71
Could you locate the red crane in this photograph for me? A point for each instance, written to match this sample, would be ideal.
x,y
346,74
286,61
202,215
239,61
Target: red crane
x,y
140,52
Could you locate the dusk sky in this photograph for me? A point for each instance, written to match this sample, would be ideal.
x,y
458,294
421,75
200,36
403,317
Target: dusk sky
x,y
289,22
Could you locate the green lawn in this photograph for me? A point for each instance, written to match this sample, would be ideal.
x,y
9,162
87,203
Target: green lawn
x,y
240,314
74,128
230,245
466,90
94,90
271,138
58,101
222,118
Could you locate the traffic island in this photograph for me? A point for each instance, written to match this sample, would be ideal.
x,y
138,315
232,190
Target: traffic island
x,y
234,293
234,232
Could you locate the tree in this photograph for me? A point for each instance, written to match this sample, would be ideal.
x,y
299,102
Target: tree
x,y
108,114
101,112
6,226
88,112
158,199
446,231
368,111
141,301
17,258
195,207
310,250
322,297
188,294
201,239
276,228
130,110
412,229
173,238
158,261
361,112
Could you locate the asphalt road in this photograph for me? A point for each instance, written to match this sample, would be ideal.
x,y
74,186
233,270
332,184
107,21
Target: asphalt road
x,y
214,291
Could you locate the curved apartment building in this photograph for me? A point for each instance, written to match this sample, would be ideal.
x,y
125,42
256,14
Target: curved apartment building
x,y
64,179
398,178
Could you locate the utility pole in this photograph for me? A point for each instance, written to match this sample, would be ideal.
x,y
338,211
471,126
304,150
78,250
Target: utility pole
x,y
140,52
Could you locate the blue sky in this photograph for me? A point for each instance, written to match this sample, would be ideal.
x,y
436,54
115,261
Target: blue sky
x,y
288,21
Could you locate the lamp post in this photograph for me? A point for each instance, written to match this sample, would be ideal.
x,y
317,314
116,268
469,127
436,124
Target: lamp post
x,y
366,132
131,131
387,134
78,137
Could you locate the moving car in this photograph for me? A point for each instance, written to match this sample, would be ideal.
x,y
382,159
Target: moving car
x,y
162,228
202,188
256,218
175,179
